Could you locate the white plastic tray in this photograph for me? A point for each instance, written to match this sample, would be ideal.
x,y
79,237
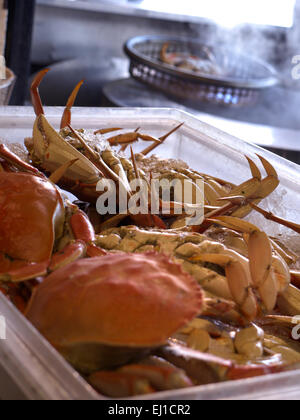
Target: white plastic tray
x,y
34,366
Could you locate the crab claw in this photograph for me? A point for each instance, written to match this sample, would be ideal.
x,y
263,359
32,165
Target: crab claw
x,y
52,152
270,275
66,118
238,278
264,187
248,188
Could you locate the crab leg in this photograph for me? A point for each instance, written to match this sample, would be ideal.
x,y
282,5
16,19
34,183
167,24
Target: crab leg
x,y
206,368
123,139
129,138
34,91
26,272
83,245
164,56
117,384
107,130
66,118
60,172
227,208
288,256
69,254
84,232
82,227
162,139
270,216
14,160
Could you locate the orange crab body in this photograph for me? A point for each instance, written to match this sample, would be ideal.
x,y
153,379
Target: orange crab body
x,y
31,209
34,219
103,312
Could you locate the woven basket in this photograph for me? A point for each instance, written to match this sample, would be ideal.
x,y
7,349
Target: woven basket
x,y
243,76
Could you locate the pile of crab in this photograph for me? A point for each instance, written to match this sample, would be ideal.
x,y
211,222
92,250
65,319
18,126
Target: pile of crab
x,y
143,303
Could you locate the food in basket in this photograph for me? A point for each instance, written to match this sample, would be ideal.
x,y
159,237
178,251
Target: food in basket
x,y
150,303
192,63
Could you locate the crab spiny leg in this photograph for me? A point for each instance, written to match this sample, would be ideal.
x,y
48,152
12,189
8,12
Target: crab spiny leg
x,y
227,208
137,174
66,118
107,130
162,139
234,223
146,137
288,256
60,172
34,92
270,216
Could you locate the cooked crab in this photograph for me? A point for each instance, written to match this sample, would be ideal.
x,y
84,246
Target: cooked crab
x,y
223,272
104,312
39,230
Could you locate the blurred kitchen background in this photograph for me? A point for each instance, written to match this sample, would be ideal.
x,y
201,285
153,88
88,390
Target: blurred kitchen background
x,y
84,39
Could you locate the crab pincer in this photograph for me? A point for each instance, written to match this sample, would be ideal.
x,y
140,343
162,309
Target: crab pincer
x,y
266,273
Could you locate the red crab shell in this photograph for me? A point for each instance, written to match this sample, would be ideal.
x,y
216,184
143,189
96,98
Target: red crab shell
x,y
129,300
104,312
30,208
